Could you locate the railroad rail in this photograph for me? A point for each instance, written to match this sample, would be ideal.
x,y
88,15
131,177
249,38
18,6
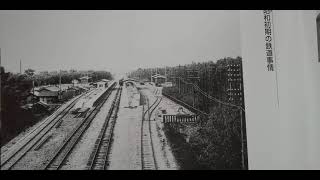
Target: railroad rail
x,y
99,156
38,126
25,144
57,160
148,159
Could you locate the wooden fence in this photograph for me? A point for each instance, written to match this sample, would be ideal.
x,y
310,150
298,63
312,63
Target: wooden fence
x,y
180,118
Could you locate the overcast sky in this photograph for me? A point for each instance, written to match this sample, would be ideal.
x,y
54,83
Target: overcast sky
x,y
117,41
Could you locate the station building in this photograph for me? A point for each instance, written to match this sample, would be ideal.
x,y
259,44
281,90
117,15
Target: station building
x,y
158,79
85,79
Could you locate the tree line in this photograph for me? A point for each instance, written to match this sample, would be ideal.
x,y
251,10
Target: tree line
x,y
67,77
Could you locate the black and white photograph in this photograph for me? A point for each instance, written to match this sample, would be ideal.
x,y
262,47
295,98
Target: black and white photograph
x,y
160,89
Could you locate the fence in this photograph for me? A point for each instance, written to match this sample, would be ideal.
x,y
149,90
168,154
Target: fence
x,y
180,118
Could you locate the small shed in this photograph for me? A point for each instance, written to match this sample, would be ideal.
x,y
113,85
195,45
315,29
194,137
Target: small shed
x,y
102,84
158,79
48,96
75,81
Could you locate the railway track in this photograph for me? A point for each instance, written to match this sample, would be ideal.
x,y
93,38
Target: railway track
x,y
57,160
44,122
24,145
99,156
148,159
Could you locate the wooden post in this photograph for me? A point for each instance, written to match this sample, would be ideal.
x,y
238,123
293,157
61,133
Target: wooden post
x,y
194,95
32,92
242,146
165,73
179,86
148,110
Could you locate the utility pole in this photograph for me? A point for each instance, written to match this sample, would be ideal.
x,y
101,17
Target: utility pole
x,y
33,92
165,73
242,119
194,95
20,66
180,86
59,85
242,146
148,109
179,79
0,80
151,75
60,80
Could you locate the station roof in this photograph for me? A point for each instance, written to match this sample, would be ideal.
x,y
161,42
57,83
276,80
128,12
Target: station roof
x,y
47,93
158,76
85,77
50,88
100,82
129,79
105,80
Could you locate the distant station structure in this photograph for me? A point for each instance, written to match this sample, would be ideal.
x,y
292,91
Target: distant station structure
x,y
55,94
75,81
85,79
103,83
158,79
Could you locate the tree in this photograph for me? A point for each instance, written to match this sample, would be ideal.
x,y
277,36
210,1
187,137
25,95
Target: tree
x,y
14,90
217,143
2,70
29,72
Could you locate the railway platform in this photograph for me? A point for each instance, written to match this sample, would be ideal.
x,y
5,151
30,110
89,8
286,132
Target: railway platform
x,y
125,151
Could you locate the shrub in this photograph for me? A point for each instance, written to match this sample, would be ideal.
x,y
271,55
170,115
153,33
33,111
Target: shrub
x,y
217,144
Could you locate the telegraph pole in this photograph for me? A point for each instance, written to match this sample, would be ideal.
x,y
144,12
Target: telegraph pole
x,y
151,75
20,67
0,80
242,146
194,95
59,85
60,80
148,110
0,57
179,79
165,73
33,89
179,85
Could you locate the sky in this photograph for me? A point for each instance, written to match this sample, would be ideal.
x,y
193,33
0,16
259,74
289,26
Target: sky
x,y
116,41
